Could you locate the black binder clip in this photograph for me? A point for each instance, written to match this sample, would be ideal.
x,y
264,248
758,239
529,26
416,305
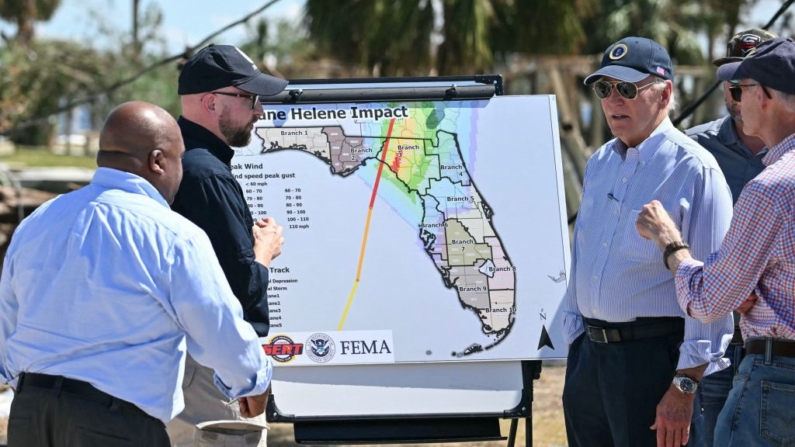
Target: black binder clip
x,y
295,94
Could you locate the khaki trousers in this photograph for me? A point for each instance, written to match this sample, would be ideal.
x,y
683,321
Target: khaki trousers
x,y
203,403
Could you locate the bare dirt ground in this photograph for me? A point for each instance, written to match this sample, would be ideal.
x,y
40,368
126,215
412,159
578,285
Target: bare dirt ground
x,y
548,427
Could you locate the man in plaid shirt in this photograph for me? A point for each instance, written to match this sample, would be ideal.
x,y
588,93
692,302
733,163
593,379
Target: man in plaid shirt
x,y
754,269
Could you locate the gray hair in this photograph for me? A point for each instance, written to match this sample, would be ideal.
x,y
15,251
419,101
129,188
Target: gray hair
x,y
659,85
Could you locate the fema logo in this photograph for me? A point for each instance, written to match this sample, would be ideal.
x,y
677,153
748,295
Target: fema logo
x,y
282,349
321,348
618,52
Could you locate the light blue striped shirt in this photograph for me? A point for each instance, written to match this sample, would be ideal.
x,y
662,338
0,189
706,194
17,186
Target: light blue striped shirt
x,y
617,275
107,285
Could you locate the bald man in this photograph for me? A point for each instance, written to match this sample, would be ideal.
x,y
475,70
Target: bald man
x,y
103,292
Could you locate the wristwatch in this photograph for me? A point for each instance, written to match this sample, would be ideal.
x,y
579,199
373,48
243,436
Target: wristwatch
x,y
685,384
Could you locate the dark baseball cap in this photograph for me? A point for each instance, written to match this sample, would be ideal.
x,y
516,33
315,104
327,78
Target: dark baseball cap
x,y
771,63
219,66
632,59
742,43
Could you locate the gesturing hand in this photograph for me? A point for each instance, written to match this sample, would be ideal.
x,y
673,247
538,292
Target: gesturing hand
x,y
268,240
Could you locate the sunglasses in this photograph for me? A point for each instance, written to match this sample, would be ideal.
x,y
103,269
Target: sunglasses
x,y
252,98
736,91
627,90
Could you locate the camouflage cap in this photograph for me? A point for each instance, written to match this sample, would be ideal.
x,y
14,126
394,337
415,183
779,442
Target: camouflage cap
x,y
742,42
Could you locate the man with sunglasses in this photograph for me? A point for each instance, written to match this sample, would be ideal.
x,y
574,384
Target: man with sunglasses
x,y
757,257
739,156
220,88
635,358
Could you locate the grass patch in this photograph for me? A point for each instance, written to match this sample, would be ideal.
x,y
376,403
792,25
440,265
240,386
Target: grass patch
x,y
43,157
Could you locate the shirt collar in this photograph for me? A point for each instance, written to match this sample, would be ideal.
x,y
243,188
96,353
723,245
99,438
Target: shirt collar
x,y
647,147
116,179
728,136
196,136
778,151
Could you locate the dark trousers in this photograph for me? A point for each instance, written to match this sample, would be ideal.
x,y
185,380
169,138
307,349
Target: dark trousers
x,y
50,411
612,390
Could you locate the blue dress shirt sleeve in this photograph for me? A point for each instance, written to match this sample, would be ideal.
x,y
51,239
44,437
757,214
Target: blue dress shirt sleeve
x,y
8,318
217,335
704,225
216,205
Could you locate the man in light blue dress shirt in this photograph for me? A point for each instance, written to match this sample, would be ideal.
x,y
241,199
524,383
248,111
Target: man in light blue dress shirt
x,y
635,359
103,292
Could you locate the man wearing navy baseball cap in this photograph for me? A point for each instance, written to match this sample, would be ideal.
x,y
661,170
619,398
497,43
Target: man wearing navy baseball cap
x,y
756,257
635,358
220,88
739,156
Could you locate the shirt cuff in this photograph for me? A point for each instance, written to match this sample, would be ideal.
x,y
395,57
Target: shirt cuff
x,y
684,274
262,381
698,352
572,327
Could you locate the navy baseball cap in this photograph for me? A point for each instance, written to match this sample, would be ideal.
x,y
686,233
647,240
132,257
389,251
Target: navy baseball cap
x,y
219,66
632,59
771,63
742,43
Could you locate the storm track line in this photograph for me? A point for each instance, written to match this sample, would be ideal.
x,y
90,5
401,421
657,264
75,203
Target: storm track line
x,y
367,225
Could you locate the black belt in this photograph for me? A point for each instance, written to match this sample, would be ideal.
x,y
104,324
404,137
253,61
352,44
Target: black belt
x,y
773,346
60,384
605,332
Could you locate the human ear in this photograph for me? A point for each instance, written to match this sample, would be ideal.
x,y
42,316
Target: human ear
x,y
156,161
208,100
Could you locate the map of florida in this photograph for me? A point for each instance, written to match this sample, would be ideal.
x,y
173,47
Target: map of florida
x,y
456,225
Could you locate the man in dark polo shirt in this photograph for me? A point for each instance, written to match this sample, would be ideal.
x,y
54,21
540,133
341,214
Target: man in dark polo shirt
x,y
220,88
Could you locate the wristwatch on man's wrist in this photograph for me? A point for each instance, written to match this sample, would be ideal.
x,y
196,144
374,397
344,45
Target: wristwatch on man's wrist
x,y
685,384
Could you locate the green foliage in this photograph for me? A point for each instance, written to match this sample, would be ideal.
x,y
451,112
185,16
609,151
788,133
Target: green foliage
x,y
42,157
275,50
39,78
36,79
405,38
673,23
389,37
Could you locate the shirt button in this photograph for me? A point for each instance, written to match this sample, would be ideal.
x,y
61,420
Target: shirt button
x,y
593,311
595,276
604,244
615,211
624,179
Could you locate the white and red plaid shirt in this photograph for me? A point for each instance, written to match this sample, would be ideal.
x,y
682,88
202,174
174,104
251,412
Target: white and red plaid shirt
x,y
757,255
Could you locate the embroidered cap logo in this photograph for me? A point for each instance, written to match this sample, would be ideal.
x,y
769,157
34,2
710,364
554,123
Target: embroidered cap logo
x,y
618,52
253,65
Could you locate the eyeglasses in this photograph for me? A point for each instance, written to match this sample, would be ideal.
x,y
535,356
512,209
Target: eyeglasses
x,y
627,90
736,91
252,98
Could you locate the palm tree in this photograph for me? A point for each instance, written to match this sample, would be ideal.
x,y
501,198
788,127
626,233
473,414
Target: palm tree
x,y
388,37
411,37
25,13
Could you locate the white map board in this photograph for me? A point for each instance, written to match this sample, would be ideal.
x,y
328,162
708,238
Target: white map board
x,y
420,237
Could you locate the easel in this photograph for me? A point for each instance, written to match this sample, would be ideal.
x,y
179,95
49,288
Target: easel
x,y
404,428
413,428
